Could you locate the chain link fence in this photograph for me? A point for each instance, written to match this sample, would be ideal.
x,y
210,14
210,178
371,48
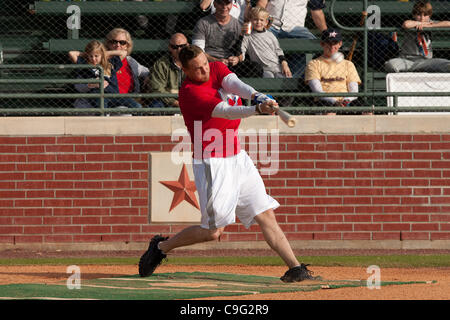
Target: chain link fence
x,y
37,36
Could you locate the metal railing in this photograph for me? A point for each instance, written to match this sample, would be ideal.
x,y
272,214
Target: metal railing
x,y
365,30
101,95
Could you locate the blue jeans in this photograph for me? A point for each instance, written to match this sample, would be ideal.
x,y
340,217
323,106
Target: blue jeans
x,y
156,104
296,61
297,32
126,102
109,103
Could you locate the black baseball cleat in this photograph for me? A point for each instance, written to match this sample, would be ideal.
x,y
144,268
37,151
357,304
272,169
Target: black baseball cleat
x,y
298,273
152,257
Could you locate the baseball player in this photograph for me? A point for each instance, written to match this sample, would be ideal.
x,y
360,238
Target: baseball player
x,y
228,183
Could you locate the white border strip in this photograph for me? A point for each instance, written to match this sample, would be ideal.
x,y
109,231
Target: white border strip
x,y
165,125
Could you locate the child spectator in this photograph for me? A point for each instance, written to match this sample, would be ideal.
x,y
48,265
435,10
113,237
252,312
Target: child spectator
x,y
263,47
289,22
416,53
95,54
331,73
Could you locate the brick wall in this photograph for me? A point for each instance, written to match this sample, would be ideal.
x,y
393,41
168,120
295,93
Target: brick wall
x,y
76,189
364,187
68,189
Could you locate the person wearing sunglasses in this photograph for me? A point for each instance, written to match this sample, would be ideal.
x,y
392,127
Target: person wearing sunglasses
x,y
166,75
132,72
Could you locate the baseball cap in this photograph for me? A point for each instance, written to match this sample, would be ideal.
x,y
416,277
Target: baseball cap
x,y
331,34
223,1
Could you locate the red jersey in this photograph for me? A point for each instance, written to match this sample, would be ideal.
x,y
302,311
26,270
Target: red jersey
x,y
211,137
125,78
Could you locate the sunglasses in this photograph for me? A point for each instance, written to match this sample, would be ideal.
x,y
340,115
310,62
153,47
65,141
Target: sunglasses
x,y
121,42
178,46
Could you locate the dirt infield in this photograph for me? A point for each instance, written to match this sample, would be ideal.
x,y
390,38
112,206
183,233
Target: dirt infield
x,y
430,291
440,290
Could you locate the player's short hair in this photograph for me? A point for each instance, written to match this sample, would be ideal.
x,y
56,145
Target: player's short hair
x,y
422,6
188,53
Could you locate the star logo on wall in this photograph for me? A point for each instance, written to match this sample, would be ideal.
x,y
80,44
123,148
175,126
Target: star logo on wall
x,y
184,189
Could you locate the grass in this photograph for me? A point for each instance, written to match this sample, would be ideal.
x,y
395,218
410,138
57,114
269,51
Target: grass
x,y
388,261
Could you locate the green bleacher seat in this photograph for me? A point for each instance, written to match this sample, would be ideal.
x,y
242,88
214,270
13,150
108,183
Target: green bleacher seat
x,y
376,81
273,84
155,8
139,45
386,7
17,49
156,45
114,8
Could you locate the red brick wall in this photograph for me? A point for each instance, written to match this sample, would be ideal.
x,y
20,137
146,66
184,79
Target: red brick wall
x,y
72,189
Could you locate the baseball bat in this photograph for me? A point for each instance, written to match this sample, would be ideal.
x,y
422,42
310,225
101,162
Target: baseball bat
x,y
287,118
355,38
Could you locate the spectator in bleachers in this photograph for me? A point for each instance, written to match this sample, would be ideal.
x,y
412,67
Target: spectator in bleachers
x,y
416,53
219,35
289,22
331,73
167,75
132,72
95,53
239,10
263,47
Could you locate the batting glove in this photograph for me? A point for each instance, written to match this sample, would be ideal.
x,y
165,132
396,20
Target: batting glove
x,y
261,97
